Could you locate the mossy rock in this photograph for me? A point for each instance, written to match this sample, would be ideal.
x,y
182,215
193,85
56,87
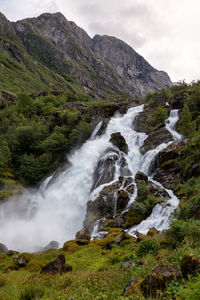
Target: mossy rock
x,y
152,231
74,245
21,259
159,279
162,255
190,265
108,224
133,290
140,210
112,238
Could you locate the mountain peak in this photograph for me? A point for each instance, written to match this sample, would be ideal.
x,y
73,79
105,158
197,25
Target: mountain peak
x,y
6,27
129,64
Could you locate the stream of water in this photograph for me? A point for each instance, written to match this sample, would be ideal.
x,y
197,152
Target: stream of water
x,y
57,209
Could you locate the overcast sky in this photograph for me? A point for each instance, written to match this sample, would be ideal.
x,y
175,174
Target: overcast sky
x,y
165,32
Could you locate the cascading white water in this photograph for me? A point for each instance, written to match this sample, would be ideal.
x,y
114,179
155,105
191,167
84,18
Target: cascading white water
x,y
161,215
57,209
171,124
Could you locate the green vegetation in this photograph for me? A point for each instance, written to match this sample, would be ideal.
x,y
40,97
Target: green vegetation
x,y
141,207
36,134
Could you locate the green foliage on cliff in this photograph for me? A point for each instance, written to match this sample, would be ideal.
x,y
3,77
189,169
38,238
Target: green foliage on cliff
x,y
36,134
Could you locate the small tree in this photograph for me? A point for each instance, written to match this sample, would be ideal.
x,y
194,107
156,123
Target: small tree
x,y
185,123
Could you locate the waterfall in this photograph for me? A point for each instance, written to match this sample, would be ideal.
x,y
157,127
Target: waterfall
x,y
57,209
171,124
162,213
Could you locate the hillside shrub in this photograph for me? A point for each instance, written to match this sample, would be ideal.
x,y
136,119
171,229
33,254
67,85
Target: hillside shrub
x,y
147,246
180,229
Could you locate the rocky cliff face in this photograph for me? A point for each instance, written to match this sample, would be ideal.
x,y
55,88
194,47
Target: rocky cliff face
x,y
130,65
103,67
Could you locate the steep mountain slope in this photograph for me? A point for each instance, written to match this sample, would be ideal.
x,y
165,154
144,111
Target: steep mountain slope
x,y
62,55
66,49
130,65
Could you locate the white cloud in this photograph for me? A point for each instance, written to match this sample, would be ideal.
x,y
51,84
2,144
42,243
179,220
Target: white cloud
x,y
164,32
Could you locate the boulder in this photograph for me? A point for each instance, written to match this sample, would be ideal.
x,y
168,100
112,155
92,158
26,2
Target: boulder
x,y
159,279
105,169
119,141
157,191
169,153
167,161
110,201
21,260
119,239
3,248
140,176
128,264
128,184
130,283
52,245
190,265
57,266
158,136
106,166
83,234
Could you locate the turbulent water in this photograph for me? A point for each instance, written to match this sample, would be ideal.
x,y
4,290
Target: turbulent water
x,y
57,209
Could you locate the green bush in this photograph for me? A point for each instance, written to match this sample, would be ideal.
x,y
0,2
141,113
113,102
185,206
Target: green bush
x,y
29,169
185,124
147,246
180,229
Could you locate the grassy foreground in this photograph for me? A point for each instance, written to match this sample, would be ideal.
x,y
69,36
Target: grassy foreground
x,y
98,269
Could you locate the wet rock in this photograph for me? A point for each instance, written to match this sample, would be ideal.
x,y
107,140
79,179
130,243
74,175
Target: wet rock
x,y
110,201
190,265
119,141
141,176
105,169
128,184
159,279
169,153
83,234
122,200
132,288
157,191
167,161
139,211
3,248
159,135
106,166
52,245
57,266
167,178
117,222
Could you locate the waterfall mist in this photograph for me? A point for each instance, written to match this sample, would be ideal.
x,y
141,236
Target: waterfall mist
x,y
57,209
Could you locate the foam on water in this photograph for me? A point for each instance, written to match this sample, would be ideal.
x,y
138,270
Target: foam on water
x,y
57,209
